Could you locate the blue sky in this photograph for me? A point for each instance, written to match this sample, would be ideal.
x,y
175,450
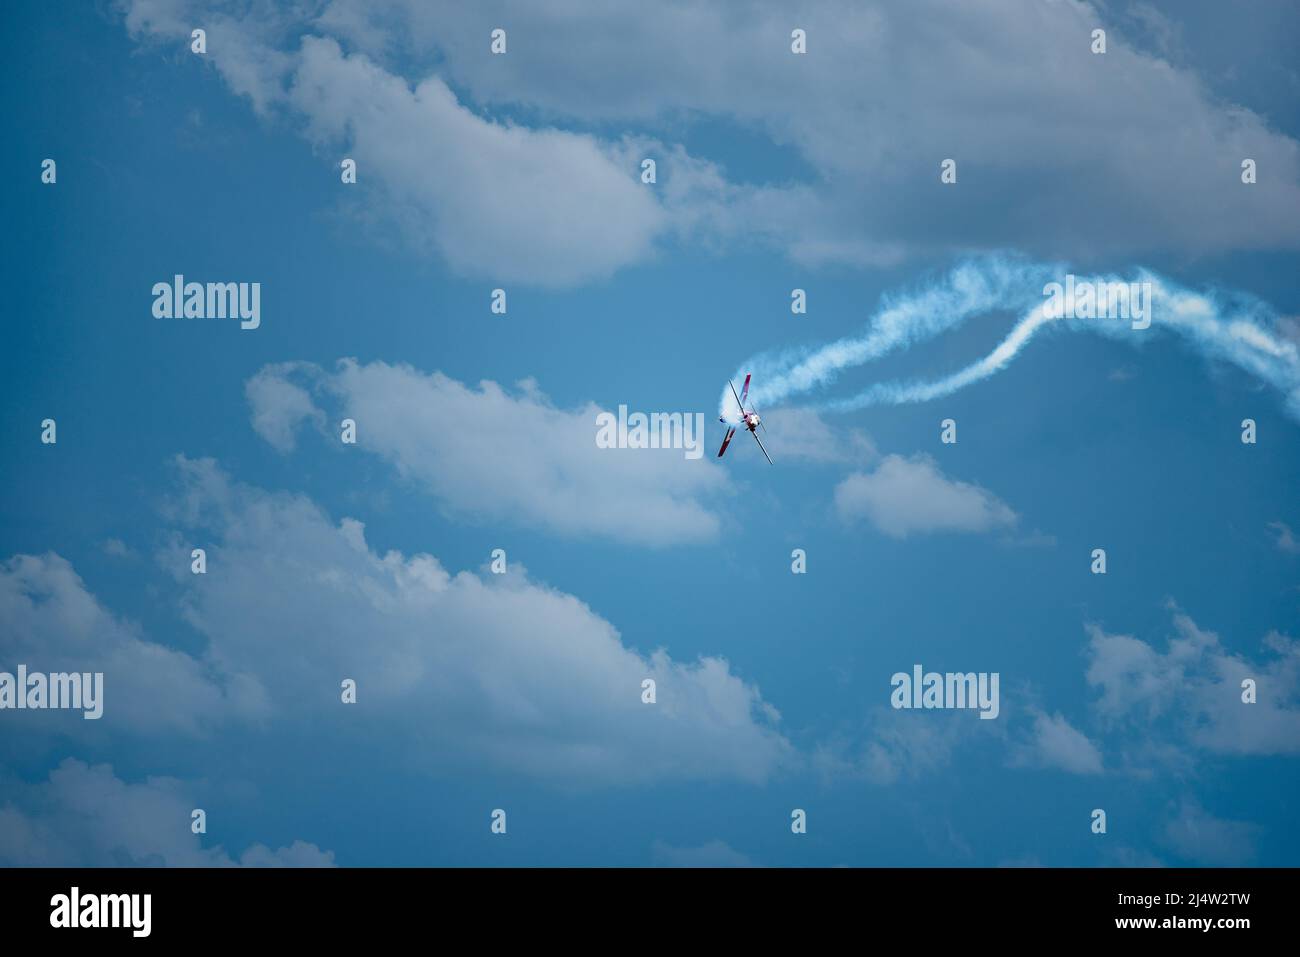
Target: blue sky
x,y
476,432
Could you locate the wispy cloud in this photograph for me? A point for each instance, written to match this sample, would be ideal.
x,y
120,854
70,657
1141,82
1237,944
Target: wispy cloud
x,y
1191,693
1054,743
714,853
1284,538
1196,834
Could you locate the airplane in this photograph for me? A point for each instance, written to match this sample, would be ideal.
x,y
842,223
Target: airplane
x,y
749,419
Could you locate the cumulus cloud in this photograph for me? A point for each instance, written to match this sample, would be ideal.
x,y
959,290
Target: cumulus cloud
x,y
85,816
865,111
489,453
500,670
871,118
494,199
536,205
905,496
50,622
1193,689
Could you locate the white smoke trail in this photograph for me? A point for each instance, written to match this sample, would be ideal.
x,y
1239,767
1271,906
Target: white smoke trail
x,y
1226,326
970,289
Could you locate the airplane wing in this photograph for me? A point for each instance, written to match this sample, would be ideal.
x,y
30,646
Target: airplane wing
x,y
738,402
760,445
730,432
744,392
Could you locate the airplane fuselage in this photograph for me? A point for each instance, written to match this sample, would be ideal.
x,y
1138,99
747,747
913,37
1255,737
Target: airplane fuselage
x,y
750,420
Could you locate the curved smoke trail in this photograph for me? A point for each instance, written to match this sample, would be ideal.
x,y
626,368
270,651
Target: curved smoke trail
x,y
1232,327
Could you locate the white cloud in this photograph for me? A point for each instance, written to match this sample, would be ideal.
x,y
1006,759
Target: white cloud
x,y
498,670
899,745
494,455
280,405
714,853
85,816
1196,686
242,47
906,496
1055,743
1021,103
802,434
1120,855
116,548
50,622
864,109
1201,837
496,200
903,745
1285,538
494,670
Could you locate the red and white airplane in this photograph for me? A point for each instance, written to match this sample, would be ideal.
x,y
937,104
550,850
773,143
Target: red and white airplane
x,y
749,420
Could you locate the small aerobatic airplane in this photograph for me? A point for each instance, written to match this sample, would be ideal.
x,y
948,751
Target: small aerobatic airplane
x,y
749,419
